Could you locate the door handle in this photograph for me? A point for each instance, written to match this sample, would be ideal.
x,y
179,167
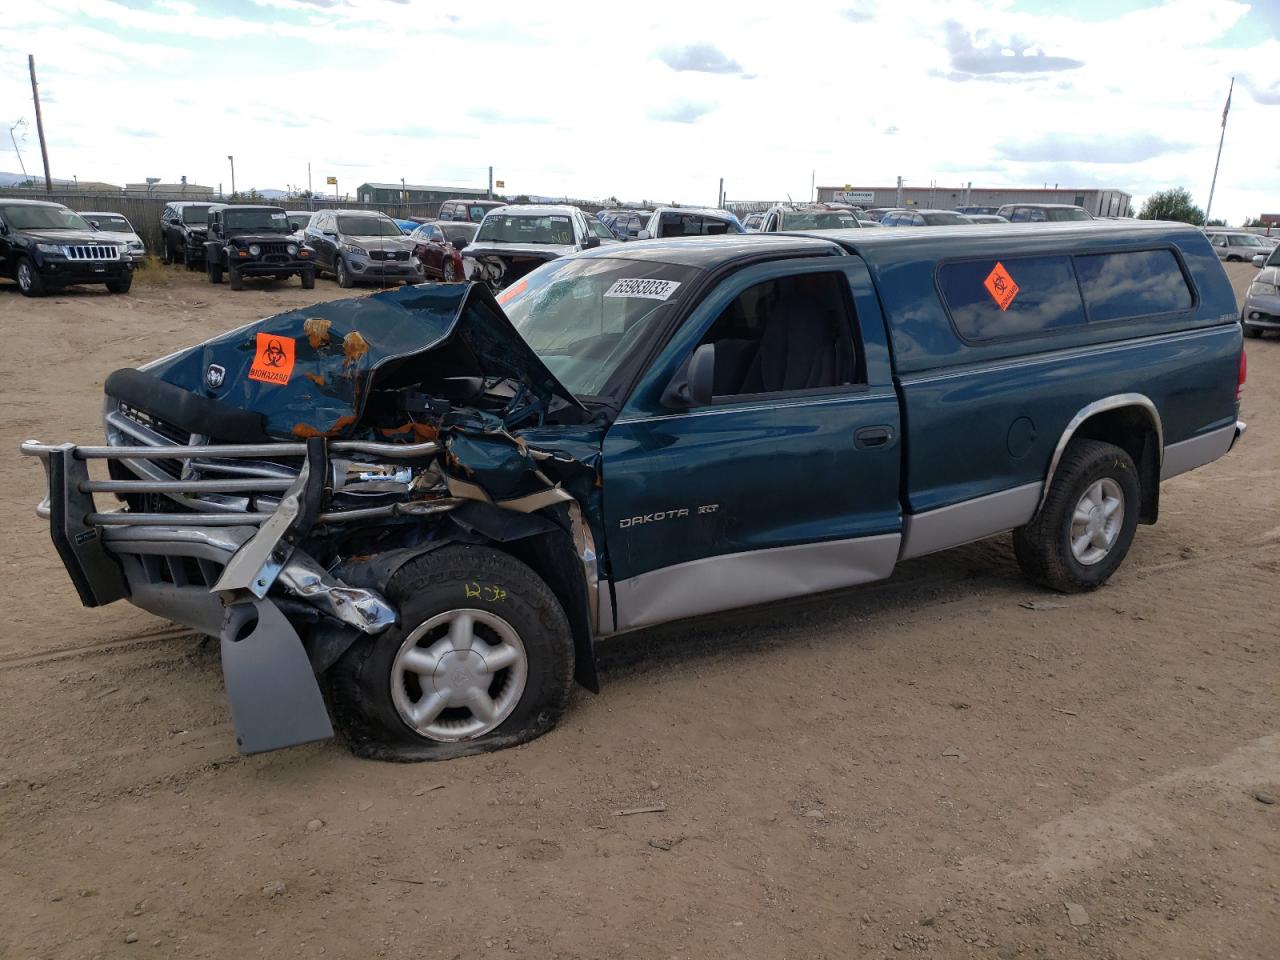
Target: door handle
x,y
871,437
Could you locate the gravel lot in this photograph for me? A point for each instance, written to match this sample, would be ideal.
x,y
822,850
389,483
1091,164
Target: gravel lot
x,y
924,765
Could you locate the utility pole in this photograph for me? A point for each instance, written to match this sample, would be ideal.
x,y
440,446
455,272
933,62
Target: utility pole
x,y
20,123
310,196
899,197
35,95
720,201
1212,186
491,183
233,174
813,188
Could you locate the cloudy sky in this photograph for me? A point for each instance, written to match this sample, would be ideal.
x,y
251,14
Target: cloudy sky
x,y
654,100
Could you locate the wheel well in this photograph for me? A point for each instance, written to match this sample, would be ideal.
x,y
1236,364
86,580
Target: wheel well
x,y
550,555
1132,430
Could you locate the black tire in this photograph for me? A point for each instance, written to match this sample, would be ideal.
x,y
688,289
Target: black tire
x,y
29,280
450,579
235,278
308,278
166,251
122,285
1043,547
342,273
214,267
186,258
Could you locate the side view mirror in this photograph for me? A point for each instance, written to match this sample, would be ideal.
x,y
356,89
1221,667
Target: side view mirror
x,y
590,243
694,385
1260,260
642,235
459,242
95,224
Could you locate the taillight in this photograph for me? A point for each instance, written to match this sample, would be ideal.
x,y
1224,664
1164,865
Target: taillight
x,y
1242,375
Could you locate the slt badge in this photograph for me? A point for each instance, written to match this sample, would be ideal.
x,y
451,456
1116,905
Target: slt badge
x,y
214,376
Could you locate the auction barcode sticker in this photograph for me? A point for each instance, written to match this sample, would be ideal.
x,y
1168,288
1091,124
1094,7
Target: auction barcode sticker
x,y
648,289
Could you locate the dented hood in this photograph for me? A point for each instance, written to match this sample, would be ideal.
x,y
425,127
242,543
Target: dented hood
x,y
309,372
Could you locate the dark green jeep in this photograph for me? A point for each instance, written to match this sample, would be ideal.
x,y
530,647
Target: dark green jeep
x,y
255,241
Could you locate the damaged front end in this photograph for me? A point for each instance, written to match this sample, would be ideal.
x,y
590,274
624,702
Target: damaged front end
x,y
498,265
275,478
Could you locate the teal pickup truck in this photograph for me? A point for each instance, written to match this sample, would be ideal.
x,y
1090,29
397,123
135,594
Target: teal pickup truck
x,y
440,500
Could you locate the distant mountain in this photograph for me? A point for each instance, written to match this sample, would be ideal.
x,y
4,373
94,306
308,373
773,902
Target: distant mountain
x,y
12,179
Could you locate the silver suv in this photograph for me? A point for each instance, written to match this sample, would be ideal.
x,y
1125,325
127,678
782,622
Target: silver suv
x,y
362,246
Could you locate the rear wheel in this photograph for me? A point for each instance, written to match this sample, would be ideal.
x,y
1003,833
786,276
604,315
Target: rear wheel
x,y
29,280
1086,525
482,658
215,270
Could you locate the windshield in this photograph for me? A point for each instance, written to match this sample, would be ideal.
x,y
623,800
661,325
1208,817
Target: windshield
x,y
256,218
453,230
42,218
1274,259
944,219
370,226
585,317
1246,240
195,214
599,229
111,222
817,220
523,228
1072,213
694,225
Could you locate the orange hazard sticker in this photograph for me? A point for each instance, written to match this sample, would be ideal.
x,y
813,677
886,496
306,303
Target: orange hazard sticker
x,y
273,363
513,291
1001,286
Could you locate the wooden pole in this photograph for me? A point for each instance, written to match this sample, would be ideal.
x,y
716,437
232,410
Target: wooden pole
x,y
35,95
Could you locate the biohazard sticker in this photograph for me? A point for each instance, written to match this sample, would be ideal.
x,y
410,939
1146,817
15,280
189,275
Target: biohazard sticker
x,y
273,363
1001,286
645,289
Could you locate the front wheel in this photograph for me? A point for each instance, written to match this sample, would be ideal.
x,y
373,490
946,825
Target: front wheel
x,y
29,280
308,278
215,270
1086,525
482,658
120,286
342,273
450,272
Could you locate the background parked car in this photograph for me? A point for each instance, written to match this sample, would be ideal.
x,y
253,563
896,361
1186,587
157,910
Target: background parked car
x,y
923,218
1238,246
438,247
469,210
625,223
1042,212
875,213
689,222
46,246
298,219
184,227
806,218
518,238
970,211
751,223
985,218
118,229
406,226
1262,300
249,240
362,245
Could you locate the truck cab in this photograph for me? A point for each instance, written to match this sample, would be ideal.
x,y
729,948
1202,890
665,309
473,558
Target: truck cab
x,y
630,435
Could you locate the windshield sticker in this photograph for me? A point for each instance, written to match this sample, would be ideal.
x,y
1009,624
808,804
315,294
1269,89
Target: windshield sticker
x,y
278,216
559,219
646,289
513,291
273,363
1001,286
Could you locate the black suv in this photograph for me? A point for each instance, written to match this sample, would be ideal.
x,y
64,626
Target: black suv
x,y
183,231
47,246
250,241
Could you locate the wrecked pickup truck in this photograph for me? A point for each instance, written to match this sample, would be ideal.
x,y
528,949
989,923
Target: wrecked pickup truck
x,y
438,504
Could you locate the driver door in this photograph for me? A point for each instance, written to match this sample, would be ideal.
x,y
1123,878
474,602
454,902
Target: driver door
x,y
786,483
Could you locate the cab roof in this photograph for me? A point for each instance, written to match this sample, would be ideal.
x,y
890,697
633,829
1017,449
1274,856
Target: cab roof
x,y
712,251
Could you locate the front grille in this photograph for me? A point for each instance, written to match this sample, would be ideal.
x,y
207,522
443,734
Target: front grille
x,y
93,251
388,254
274,247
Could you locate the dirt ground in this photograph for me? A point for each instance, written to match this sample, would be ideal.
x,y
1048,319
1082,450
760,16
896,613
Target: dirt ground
x,y
920,766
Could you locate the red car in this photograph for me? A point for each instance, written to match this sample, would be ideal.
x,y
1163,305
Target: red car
x,y
438,246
